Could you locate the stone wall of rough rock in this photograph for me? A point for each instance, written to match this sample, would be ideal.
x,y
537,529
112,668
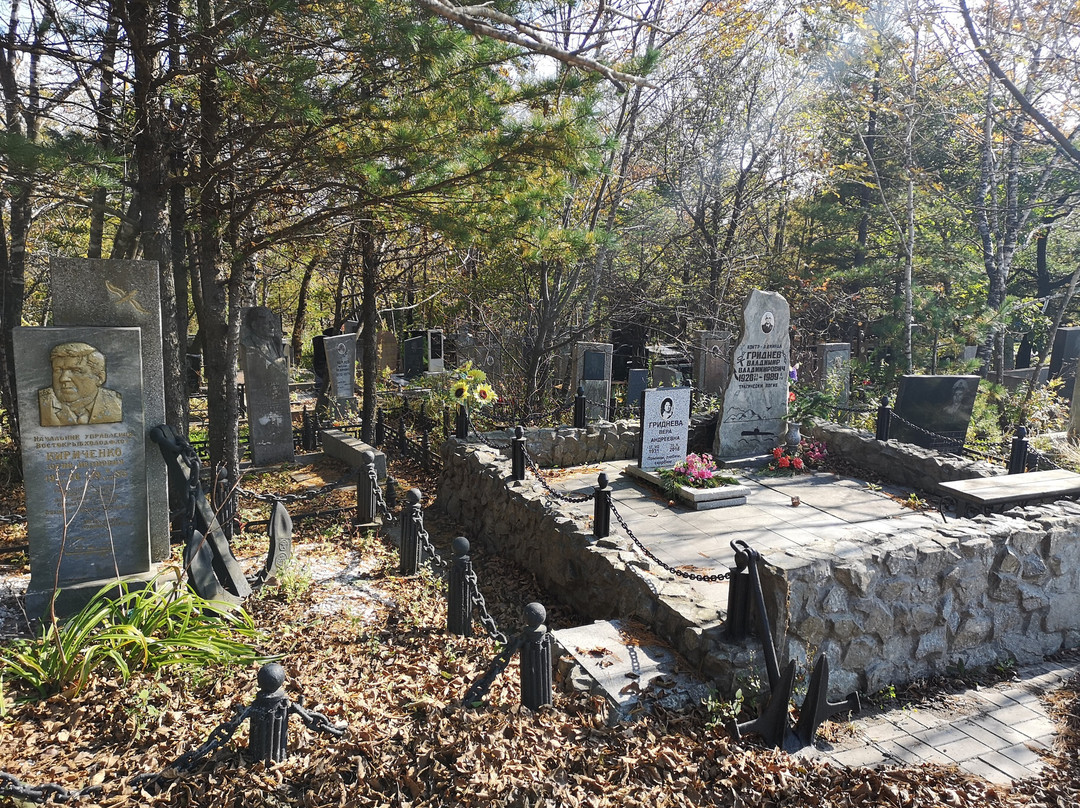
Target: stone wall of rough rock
x,y
564,446
600,579
901,463
890,609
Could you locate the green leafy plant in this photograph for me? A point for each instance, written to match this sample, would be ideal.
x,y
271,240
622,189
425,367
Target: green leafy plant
x,y
124,629
806,403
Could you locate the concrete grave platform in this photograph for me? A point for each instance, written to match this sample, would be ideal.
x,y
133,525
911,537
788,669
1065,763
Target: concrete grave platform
x,y
626,663
700,499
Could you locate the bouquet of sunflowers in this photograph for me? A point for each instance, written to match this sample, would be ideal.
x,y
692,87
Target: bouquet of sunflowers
x,y
468,386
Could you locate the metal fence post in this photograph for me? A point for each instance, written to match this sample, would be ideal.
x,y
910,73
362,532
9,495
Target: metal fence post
x,y
517,454
446,421
380,428
458,596
535,659
601,527
612,404
579,408
367,479
410,539
269,738
1019,454
884,416
308,433
461,426
402,438
391,493
425,449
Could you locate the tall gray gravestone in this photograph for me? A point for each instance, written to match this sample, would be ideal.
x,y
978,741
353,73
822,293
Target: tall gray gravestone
x,y
387,347
1064,356
934,411
266,385
108,293
84,461
754,402
592,370
412,356
341,364
637,379
711,366
665,423
833,361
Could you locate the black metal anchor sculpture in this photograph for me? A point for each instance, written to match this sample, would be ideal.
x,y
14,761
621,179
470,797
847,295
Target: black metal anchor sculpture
x,y
213,571
772,725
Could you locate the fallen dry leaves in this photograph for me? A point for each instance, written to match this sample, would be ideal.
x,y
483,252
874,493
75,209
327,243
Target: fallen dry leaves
x,y
397,679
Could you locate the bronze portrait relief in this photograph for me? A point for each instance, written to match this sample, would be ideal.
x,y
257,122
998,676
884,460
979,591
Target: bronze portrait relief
x,y
78,394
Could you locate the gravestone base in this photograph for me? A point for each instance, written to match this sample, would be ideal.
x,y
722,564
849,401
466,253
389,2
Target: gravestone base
x,y
74,596
700,499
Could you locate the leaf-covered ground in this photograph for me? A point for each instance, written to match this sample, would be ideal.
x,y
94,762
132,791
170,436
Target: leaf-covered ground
x,y
363,645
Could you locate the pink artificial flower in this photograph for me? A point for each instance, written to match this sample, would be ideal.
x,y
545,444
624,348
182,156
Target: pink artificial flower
x,y
797,463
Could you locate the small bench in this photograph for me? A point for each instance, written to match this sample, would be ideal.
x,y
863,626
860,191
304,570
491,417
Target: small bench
x,y
989,494
350,451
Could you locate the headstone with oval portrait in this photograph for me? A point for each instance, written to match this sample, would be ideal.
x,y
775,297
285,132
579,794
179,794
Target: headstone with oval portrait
x,y
341,364
753,406
665,423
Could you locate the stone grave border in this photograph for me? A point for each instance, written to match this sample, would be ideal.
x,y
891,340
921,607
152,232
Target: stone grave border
x,y
886,607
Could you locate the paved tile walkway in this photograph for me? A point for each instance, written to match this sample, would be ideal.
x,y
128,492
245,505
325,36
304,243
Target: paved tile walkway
x,y
996,733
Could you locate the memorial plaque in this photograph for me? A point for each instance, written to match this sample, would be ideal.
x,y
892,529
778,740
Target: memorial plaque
x,y
341,364
266,387
937,409
125,294
84,462
711,364
412,356
665,422
592,370
754,403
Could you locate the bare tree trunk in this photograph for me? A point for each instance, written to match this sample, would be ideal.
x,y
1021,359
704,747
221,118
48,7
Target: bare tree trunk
x,y
370,317
300,321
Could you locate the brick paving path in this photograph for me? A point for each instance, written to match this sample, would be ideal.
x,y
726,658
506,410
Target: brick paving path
x,y
993,732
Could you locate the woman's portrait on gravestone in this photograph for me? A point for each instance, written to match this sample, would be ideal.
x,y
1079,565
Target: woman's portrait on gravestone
x,y
667,408
78,394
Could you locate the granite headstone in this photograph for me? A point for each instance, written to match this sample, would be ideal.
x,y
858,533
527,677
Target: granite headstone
x,y
592,370
266,386
833,363
1064,357
637,379
387,346
125,294
711,365
84,461
665,422
412,356
754,402
665,376
341,364
937,410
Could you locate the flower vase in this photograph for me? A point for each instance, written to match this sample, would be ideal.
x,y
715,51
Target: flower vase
x,y
794,434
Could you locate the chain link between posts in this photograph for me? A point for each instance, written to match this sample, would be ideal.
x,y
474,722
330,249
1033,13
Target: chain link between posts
x,y
481,686
380,500
12,519
1041,458
693,576
438,562
491,628
485,441
949,442
547,486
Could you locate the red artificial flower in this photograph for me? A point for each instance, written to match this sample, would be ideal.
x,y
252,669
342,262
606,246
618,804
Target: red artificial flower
x,y
777,452
784,462
797,463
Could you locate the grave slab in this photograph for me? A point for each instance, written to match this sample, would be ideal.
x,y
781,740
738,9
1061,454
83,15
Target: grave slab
x,y
266,383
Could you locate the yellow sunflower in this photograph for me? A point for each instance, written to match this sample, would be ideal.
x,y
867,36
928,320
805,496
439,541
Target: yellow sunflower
x,y
460,390
484,394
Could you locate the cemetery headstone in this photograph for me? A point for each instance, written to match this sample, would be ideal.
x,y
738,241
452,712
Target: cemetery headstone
x,y
435,363
833,361
107,293
412,356
266,387
637,379
938,407
592,370
388,351
711,365
754,402
665,376
84,461
1064,357
665,422
1012,379
341,364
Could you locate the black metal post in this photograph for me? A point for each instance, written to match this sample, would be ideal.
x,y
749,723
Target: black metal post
x,y
391,493
446,421
1019,454
380,428
402,438
410,539
307,431
602,508
517,454
461,425
535,659
458,596
884,417
612,404
269,739
579,408
366,481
